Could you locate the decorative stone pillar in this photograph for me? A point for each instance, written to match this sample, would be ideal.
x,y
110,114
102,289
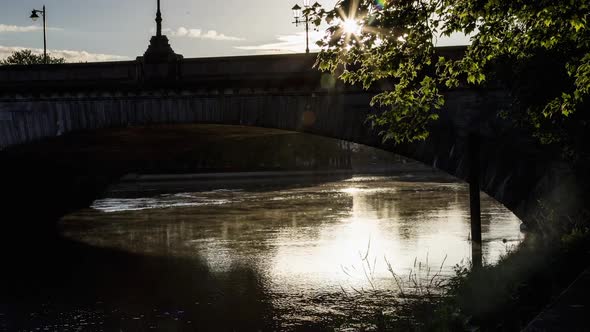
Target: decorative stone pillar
x,y
159,62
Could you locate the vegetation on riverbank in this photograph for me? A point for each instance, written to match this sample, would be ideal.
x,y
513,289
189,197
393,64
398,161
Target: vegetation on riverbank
x,y
501,297
508,295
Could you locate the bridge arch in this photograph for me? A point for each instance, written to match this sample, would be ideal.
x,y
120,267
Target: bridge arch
x,y
340,116
281,92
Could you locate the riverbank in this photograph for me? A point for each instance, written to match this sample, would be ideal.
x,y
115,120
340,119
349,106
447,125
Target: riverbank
x,y
410,168
157,183
569,312
508,295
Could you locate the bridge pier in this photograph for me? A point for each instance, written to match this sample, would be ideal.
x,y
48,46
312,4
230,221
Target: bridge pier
x,y
474,199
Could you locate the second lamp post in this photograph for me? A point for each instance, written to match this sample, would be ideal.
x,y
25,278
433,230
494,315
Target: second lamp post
x,y
35,17
304,18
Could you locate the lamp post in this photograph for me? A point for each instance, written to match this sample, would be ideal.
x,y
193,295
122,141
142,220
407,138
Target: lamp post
x,y
299,19
35,17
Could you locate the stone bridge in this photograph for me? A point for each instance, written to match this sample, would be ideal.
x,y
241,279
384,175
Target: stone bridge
x,y
38,103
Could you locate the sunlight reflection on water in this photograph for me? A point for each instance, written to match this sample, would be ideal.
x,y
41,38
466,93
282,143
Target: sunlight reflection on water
x,y
305,243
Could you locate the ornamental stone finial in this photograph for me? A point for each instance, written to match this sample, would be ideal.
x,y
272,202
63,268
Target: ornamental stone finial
x,y
160,52
158,21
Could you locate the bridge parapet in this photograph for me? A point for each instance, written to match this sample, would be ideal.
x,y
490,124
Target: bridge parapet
x,y
245,71
260,71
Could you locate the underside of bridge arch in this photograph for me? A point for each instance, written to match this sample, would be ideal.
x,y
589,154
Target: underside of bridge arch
x,y
188,148
60,174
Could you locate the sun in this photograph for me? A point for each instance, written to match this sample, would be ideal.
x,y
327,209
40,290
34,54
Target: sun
x,y
351,27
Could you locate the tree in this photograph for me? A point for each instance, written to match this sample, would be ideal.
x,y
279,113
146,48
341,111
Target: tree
x,y
27,57
544,44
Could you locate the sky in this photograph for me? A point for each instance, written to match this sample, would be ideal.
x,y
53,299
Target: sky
x,y
110,30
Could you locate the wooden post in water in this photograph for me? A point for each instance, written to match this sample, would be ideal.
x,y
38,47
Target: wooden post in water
x,y
474,199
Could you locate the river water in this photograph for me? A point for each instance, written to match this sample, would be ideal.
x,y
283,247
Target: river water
x,y
241,256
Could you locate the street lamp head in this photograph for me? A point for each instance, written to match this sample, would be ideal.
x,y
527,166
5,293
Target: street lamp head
x,y
296,12
34,16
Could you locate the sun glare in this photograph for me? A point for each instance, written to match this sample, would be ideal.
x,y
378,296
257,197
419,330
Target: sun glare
x,y
351,27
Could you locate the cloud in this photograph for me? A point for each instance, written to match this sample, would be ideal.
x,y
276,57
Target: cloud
x,y
296,43
16,28
69,55
287,44
200,34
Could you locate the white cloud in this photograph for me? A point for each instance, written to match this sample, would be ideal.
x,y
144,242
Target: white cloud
x,y
16,28
69,55
200,34
296,43
287,44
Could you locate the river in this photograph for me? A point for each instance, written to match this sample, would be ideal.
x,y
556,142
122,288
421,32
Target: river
x,y
268,254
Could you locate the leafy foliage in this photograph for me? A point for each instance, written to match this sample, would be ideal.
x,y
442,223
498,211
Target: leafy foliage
x,y
539,49
27,57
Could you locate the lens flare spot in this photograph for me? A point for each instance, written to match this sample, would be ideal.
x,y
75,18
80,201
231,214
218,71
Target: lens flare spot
x,y
309,118
328,81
